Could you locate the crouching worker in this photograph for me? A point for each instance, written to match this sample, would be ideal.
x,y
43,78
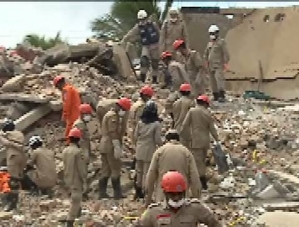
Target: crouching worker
x,y
41,171
13,141
75,173
177,210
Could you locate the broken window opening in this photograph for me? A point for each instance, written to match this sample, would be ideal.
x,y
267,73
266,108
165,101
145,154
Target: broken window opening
x,y
279,17
266,18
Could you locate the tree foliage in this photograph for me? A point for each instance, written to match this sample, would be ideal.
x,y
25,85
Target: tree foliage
x,y
43,42
122,17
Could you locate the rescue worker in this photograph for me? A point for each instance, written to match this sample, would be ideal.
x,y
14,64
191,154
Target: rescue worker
x,y
193,65
177,76
4,184
200,124
81,123
42,175
177,210
171,156
180,110
172,29
146,93
71,102
114,127
13,141
148,137
75,173
217,57
103,106
148,33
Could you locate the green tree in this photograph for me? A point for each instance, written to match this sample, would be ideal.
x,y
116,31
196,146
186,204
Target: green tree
x,y
122,17
43,42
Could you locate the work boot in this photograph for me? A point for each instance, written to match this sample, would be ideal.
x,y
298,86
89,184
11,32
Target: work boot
x,y
103,188
154,81
69,223
138,193
117,188
142,77
12,201
215,96
204,183
221,96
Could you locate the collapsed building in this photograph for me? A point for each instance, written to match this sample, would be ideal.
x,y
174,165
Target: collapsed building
x,y
261,44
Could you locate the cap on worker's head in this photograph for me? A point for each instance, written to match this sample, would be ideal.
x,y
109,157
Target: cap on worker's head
x,y
85,109
150,107
173,11
173,182
178,43
147,90
213,28
75,133
57,79
34,139
185,87
171,131
124,103
142,14
203,98
165,54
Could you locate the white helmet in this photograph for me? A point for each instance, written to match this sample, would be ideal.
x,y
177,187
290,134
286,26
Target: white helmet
x,y
142,14
173,11
34,139
213,28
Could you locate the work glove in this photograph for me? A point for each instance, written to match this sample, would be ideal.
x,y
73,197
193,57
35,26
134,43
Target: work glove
x,y
117,149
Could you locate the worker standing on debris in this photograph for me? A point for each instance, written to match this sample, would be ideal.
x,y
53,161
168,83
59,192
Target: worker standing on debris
x,y
200,124
114,127
71,102
177,210
193,65
75,174
217,57
148,33
175,78
171,156
173,28
179,111
148,137
13,141
81,123
103,106
41,171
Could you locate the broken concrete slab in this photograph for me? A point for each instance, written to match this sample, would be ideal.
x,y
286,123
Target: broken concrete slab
x,y
21,97
286,176
279,219
55,105
14,84
281,206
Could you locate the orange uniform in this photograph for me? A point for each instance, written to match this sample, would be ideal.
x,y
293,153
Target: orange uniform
x,y
4,182
71,102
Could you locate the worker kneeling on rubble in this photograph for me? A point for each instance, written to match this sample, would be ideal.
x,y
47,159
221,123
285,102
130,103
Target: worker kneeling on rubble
x,y
75,174
217,57
177,210
148,33
171,156
81,123
41,171
16,159
194,67
200,124
179,111
148,137
71,102
114,127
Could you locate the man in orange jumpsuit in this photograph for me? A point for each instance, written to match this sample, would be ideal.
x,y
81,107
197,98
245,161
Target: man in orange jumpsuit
x,y
71,102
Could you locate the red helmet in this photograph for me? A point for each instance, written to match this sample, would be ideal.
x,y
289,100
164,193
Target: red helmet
x,y
173,181
204,98
124,103
57,79
75,132
147,90
185,87
178,43
85,109
165,54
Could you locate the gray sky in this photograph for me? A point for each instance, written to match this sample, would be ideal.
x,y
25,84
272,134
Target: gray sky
x,y
73,18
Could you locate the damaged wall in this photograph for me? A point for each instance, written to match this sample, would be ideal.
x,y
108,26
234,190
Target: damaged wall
x,y
268,35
